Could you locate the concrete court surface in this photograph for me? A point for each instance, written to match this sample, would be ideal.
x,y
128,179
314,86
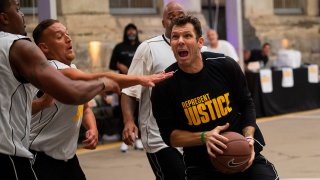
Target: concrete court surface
x,y
293,145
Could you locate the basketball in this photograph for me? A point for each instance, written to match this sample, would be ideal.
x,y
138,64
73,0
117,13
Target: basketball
x,y
234,159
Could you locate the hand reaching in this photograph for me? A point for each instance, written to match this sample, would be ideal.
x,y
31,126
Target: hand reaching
x,y
151,80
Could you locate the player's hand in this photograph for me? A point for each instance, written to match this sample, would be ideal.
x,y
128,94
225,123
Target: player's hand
x,y
110,85
251,144
91,140
151,80
129,133
215,141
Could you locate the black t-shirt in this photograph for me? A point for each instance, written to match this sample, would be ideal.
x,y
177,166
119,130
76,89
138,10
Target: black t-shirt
x,y
122,53
256,55
199,102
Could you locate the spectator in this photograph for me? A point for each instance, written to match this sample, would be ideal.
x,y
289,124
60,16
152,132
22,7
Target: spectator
x,y
220,46
120,60
261,55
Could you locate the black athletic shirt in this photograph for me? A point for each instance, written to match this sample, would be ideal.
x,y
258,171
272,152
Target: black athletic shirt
x,y
122,53
199,102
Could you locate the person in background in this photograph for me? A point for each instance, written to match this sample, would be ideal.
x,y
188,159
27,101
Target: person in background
x,y
152,56
22,64
207,95
261,55
121,59
220,46
55,126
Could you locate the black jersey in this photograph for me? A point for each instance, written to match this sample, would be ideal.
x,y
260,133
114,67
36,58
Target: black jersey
x,y
122,53
199,102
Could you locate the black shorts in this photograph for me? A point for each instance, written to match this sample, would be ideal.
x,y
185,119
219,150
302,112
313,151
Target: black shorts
x,y
167,164
261,169
14,167
48,168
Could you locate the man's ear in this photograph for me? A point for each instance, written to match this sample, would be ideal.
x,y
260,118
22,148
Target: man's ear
x,y
200,42
4,19
44,48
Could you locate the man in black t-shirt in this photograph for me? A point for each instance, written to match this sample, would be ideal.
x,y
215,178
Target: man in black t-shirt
x,y
208,94
258,54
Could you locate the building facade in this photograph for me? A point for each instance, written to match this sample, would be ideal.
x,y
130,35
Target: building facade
x,y
97,27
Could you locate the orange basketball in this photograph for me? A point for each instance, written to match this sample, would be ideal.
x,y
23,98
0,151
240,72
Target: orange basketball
x,y
234,159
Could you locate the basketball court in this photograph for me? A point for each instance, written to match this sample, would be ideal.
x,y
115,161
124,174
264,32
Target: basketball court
x,y
293,145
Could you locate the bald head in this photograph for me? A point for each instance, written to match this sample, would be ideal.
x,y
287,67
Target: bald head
x,y
171,11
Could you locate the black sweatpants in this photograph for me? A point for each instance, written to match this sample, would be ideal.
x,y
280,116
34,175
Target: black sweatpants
x,y
167,164
14,168
261,169
48,168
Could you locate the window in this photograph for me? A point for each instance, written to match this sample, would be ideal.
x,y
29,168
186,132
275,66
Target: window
x,y
29,6
288,6
132,6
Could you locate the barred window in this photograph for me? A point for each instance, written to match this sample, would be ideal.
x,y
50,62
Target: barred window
x,y
289,6
29,6
132,6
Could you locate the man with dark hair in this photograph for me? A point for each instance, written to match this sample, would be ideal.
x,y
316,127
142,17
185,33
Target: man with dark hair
x,y
123,52
22,63
207,95
261,55
55,130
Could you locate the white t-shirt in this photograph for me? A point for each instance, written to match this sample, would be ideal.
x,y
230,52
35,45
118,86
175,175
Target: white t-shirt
x,y
55,130
15,104
224,47
152,56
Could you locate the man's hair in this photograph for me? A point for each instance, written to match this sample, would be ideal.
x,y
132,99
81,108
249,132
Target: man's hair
x,y
4,5
43,25
125,36
266,44
181,21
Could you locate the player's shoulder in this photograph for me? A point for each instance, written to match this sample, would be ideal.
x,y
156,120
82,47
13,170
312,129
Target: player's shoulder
x,y
218,59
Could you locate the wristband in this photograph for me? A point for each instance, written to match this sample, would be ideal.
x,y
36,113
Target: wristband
x,y
202,137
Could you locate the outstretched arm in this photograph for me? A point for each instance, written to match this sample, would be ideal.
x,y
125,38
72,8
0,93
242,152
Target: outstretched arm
x,y
29,64
122,79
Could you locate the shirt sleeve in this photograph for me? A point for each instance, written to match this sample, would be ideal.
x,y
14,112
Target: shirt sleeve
x,y
141,65
242,95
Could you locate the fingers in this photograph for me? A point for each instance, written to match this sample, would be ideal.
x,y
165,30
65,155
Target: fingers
x,y
129,135
91,140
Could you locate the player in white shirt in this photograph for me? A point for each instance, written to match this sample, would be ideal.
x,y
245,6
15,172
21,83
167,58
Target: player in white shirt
x,y
22,64
152,56
220,46
55,129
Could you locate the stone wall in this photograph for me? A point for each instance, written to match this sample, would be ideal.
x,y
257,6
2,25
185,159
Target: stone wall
x,y
91,22
302,31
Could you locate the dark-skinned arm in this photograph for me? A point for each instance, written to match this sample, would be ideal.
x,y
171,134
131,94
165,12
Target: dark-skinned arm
x,y
29,64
